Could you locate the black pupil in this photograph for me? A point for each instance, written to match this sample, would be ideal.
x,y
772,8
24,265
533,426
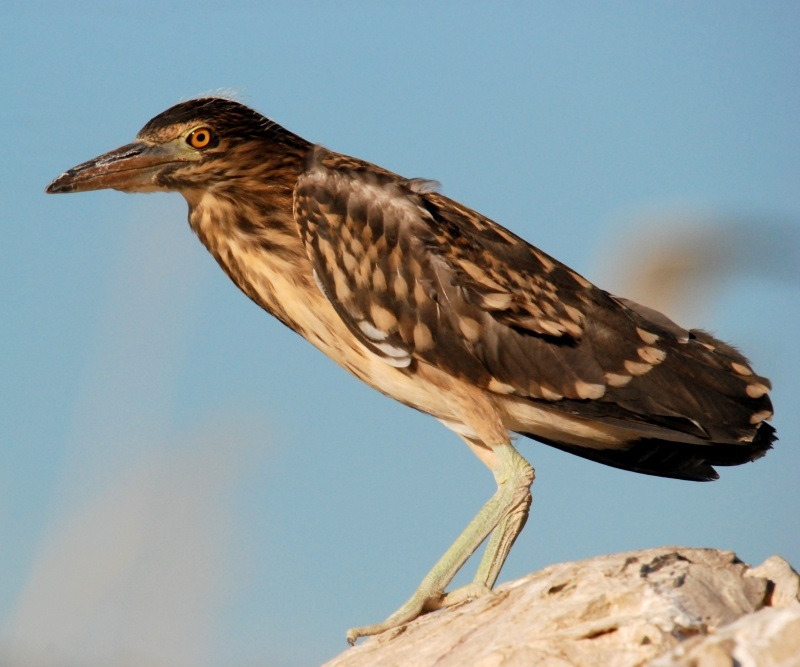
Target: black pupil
x,y
200,137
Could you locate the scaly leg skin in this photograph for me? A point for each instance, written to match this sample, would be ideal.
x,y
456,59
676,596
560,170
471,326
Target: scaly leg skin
x,y
500,543
503,515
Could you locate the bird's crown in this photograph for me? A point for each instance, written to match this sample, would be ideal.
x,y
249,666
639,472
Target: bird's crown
x,y
226,117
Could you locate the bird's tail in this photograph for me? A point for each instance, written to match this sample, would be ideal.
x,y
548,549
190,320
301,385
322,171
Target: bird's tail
x,y
678,460
702,407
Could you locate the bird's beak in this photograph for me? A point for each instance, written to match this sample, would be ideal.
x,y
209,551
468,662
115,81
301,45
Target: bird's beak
x,y
130,168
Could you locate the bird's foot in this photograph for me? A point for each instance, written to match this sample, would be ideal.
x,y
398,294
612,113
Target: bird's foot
x,y
469,592
418,605
505,511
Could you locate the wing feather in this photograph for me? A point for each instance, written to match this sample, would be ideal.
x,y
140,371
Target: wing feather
x,y
417,277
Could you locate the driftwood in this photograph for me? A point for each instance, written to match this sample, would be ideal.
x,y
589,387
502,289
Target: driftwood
x,y
661,607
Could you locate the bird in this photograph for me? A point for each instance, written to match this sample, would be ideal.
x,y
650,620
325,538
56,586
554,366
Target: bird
x,y
448,312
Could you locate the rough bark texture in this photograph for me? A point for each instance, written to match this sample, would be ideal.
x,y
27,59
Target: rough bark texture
x,y
661,607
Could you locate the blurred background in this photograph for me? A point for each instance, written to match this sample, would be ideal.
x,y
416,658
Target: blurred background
x,y
185,482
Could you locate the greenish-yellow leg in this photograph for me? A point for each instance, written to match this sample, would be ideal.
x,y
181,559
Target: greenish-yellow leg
x,y
503,516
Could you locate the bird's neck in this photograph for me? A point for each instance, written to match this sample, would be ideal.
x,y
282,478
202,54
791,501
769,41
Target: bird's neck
x,y
252,234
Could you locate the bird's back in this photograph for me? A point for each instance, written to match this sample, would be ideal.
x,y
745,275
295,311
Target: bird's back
x,y
420,279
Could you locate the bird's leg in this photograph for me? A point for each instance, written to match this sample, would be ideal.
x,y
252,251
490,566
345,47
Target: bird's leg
x,y
503,538
504,513
499,545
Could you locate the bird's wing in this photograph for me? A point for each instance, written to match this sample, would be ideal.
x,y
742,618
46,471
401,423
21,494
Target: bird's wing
x,y
418,277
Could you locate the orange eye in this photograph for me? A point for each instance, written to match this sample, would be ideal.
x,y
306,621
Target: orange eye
x,y
199,138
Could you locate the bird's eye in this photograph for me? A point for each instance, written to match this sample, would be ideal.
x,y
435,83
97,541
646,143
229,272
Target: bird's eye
x,y
199,138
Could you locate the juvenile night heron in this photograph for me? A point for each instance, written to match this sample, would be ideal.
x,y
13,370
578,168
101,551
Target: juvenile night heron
x,y
446,311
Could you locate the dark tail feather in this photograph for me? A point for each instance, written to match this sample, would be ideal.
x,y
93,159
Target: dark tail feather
x,y
664,458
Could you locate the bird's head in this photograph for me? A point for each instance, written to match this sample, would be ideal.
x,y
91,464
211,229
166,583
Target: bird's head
x,y
191,145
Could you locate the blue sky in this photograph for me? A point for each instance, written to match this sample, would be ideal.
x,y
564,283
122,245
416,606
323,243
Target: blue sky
x,y
184,481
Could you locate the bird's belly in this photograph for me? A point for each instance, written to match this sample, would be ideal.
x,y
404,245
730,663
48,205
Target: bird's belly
x,y
288,292
311,315
418,386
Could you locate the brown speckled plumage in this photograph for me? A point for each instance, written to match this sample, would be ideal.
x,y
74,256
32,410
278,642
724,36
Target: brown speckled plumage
x,y
444,310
